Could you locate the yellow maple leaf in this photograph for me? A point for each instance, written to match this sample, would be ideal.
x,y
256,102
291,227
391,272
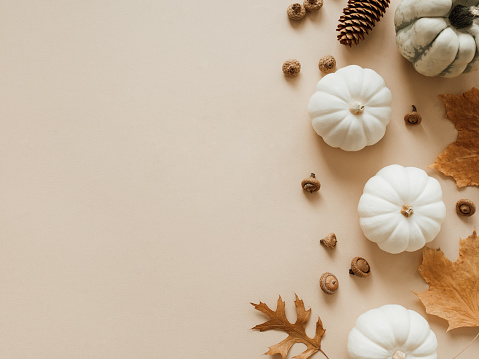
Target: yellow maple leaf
x,y
453,292
296,331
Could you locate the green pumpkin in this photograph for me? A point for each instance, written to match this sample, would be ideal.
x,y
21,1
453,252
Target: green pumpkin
x,y
440,37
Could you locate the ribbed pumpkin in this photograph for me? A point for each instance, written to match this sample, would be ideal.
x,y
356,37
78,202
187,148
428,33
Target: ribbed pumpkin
x,y
439,37
391,331
401,209
351,108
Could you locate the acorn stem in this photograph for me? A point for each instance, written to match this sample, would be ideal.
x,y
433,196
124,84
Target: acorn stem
x,y
414,108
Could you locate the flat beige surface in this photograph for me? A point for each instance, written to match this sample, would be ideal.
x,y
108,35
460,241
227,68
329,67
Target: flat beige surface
x,y
151,155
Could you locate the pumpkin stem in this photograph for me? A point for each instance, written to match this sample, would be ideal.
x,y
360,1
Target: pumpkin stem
x,y
399,355
356,109
406,210
462,16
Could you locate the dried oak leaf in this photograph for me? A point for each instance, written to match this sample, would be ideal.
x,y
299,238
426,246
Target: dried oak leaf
x,y
453,292
296,332
461,158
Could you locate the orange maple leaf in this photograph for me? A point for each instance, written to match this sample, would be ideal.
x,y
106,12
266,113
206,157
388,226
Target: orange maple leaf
x,y
461,158
296,332
453,292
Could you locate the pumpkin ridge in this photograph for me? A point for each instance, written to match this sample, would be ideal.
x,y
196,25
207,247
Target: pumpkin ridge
x,y
406,24
375,334
414,245
385,206
474,59
368,132
397,199
325,89
426,231
446,70
362,336
352,123
327,122
393,237
424,235
460,55
419,54
334,131
423,210
372,224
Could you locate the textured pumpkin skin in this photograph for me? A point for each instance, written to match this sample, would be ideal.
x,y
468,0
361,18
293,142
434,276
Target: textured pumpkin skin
x,y
425,36
380,332
381,204
338,95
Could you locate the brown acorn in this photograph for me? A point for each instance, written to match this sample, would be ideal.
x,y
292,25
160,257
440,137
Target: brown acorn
x,y
296,11
329,283
329,241
465,207
311,184
327,63
360,267
313,5
291,68
413,117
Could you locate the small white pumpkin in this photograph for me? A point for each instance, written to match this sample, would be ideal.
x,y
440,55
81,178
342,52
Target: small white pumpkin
x,y
391,331
401,209
439,37
351,108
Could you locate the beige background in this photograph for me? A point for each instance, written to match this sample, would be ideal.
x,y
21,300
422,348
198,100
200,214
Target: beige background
x,y
151,155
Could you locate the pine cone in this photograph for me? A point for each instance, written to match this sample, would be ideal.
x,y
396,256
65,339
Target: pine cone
x,y
359,17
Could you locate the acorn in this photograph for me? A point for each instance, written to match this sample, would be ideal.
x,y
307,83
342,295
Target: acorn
x,y
296,11
311,184
360,267
327,63
465,207
329,241
291,68
329,283
313,5
413,117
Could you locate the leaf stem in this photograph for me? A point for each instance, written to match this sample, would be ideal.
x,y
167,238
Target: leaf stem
x,y
467,346
328,357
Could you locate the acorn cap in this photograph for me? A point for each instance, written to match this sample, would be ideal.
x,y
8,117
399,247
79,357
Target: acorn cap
x,y
313,5
465,207
291,68
329,283
296,11
327,63
360,267
329,241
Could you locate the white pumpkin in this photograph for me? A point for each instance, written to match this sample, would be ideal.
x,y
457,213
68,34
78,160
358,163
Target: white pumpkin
x,y
351,108
401,209
391,331
439,37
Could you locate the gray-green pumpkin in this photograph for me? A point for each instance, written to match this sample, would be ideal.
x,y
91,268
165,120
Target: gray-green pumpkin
x,y
439,37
